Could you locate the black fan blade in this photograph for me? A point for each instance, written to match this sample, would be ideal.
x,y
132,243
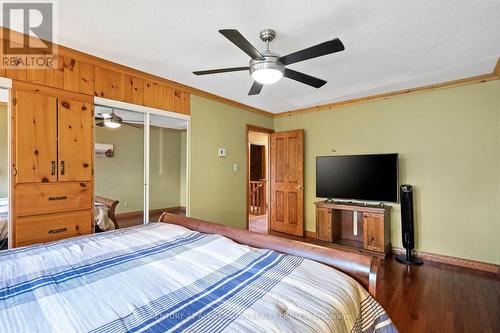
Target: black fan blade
x,y
304,78
256,88
332,46
221,70
240,41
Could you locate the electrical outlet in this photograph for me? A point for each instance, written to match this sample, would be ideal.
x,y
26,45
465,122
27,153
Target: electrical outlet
x,y
125,204
235,167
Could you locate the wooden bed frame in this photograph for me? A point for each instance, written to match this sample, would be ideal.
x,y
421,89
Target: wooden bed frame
x,y
362,267
111,204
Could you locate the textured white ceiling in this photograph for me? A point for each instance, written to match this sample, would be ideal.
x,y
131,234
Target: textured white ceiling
x,y
390,45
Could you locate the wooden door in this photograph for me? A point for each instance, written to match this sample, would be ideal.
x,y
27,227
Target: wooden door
x,y
75,146
35,133
287,182
373,229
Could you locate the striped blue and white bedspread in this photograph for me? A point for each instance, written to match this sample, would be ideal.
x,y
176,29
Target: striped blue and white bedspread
x,y
162,277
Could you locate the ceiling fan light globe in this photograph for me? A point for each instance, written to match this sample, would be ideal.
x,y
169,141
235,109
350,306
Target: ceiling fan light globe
x,y
111,123
267,75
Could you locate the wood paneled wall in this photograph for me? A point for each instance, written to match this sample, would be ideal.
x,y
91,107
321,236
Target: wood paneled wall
x,y
85,74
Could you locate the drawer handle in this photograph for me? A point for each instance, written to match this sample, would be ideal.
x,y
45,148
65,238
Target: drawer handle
x,y
53,168
62,197
58,231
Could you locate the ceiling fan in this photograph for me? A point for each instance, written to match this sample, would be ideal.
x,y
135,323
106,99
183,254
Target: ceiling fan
x,y
110,120
268,67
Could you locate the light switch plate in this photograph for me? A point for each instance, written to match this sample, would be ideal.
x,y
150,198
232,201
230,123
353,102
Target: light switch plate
x,y
222,152
235,167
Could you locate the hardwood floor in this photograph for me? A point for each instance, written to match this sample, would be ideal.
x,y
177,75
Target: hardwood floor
x,y
440,298
258,223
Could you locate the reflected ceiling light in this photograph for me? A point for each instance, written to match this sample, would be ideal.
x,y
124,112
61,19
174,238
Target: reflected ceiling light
x,y
111,120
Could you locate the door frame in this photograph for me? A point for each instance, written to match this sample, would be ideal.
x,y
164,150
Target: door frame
x,y
148,111
268,131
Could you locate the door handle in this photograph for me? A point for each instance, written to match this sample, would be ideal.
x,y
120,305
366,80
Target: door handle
x,y
62,168
53,168
299,187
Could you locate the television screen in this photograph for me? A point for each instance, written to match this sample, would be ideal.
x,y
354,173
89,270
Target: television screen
x,y
358,177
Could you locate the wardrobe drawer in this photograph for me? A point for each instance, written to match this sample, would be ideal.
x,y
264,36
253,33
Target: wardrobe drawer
x,y
51,227
34,199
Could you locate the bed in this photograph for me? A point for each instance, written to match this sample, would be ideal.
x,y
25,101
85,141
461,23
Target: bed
x,y
104,214
182,274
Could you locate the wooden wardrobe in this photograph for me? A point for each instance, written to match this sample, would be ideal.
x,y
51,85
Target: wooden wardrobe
x,y
52,165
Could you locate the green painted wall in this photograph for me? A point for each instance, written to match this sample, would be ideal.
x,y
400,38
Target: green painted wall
x,y
121,177
449,146
4,167
217,193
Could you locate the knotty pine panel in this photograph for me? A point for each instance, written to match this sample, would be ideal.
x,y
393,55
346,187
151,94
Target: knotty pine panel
x,y
55,77
116,85
87,78
137,91
148,93
71,73
128,88
100,84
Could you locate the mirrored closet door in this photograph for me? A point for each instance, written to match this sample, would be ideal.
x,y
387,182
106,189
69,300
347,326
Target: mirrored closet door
x,y
4,169
119,167
140,165
167,166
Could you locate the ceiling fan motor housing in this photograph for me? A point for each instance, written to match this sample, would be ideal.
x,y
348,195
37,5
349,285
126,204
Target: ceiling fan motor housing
x,y
271,62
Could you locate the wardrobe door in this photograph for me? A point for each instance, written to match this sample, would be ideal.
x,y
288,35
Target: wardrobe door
x,y
75,128
35,120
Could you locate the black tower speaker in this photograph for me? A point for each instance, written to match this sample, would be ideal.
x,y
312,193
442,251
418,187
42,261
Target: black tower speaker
x,y
406,196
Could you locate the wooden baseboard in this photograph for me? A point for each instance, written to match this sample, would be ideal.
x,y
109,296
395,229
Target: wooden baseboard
x,y
310,234
440,258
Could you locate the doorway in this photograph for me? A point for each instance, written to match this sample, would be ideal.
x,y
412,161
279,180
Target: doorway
x,y
258,140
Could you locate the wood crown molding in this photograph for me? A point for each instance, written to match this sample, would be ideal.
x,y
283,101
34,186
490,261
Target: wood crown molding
x,y
496,71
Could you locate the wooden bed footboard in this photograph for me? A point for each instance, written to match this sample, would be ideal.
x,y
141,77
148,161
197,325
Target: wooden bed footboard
x,y
362,267
111,204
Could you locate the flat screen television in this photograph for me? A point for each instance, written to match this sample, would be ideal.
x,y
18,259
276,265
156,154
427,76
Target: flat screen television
x,y
358,177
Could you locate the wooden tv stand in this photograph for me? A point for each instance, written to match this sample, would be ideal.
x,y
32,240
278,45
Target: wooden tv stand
x,y
372,232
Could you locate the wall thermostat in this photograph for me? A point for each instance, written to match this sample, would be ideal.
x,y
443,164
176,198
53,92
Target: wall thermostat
x,y
222,152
